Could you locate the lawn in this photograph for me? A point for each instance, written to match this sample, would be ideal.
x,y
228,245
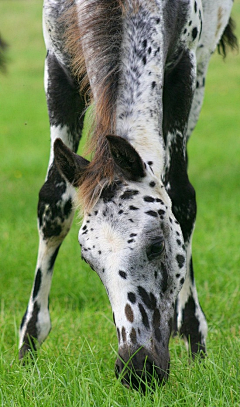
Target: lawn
x,y
75,366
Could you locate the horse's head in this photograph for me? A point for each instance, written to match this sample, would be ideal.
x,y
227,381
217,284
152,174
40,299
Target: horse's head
x,y
132,240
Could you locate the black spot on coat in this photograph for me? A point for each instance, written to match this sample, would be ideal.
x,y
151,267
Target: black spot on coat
x,y
53,258
133,336
129,194
181,260
148,299
149,199
123,274
152,213
37,283
133,208
129,313
145,320
194,33
132,297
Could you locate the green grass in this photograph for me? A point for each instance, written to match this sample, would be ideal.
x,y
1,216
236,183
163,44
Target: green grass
x,y
75,366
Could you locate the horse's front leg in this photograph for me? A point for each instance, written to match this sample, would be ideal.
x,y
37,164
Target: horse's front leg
x,y
55,206
190,321
189,318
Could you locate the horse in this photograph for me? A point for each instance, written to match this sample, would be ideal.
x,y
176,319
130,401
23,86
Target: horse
x,y
141,65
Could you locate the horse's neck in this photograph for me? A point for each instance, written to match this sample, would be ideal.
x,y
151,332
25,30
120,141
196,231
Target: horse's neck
x,y
139,102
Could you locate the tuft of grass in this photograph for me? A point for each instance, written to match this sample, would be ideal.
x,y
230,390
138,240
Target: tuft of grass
x,y
75,366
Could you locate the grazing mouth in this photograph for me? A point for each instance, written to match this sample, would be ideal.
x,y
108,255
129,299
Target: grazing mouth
x,y
140,371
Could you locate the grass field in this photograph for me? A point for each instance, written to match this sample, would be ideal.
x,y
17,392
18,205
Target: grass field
x,y
75,366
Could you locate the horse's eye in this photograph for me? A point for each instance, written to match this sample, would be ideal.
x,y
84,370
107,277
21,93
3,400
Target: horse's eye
x,y
155,249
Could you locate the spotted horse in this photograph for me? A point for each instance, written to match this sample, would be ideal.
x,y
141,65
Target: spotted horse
x,y
142,66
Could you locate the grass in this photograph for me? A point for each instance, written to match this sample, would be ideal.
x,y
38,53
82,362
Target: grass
x,y
75,366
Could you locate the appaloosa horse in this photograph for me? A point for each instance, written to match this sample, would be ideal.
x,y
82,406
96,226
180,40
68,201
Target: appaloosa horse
x,y
142,64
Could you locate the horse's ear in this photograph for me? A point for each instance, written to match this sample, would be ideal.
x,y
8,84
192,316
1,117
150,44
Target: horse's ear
x,y
69,164
126,158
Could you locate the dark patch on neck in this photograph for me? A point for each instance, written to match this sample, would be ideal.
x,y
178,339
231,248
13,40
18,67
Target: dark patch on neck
x,y
123,274
149,199
152,213
129,194
131,240
161,212
110,191
133,208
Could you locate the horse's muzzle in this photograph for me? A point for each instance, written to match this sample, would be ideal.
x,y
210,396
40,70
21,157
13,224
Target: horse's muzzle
x,y
141,369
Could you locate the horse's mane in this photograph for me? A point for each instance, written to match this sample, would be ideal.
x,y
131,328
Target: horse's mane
x,y
93,39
